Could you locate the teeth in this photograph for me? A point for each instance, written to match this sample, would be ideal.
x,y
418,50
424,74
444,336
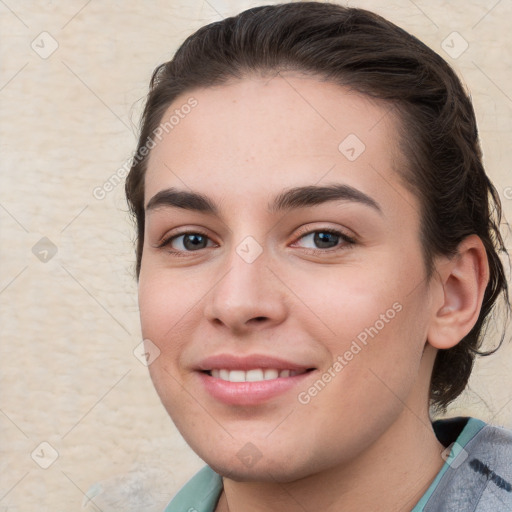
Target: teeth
x,y
236,376
269,374
256,375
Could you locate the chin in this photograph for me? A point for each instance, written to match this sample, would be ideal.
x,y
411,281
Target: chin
x,y
281,468
266,473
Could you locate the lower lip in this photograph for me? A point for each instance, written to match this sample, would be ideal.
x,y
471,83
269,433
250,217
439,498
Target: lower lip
x,y
249,393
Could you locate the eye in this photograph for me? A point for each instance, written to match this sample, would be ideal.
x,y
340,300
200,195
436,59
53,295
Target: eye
x,y
321,240
317,241
190,241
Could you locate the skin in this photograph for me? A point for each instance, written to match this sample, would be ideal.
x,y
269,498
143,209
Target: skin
x,y
368,431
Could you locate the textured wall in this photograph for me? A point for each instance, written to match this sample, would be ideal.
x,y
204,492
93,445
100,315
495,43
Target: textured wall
x,y
73,75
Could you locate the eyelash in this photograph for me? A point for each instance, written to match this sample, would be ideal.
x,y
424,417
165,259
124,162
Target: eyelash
x,y
348,241
167,242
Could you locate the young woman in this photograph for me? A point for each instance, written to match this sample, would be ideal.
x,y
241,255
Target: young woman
x,y
318,251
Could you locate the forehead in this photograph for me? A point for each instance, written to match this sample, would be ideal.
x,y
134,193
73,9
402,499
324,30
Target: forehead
x,y
265,133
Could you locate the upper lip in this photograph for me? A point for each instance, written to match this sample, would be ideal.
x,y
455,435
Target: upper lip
x,y
233,362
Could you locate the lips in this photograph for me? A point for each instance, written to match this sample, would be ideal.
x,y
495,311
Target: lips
x,y
255,361
249,380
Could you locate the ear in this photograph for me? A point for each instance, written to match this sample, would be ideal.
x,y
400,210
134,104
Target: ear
x,y
461,282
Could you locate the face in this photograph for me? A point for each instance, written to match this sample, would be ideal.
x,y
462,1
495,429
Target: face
x,y
288,302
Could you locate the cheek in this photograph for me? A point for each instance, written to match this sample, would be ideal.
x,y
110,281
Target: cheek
x,y
368,316
344,302
152,306
163,298
162,310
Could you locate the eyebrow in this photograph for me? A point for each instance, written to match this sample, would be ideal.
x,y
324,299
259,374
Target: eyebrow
x,y
297,197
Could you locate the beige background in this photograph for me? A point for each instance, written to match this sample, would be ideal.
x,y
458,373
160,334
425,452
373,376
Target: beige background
x,y
69,325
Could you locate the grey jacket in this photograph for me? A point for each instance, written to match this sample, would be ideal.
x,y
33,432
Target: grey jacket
x,y
478,473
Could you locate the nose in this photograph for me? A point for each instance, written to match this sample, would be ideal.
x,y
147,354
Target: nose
x,y
248,296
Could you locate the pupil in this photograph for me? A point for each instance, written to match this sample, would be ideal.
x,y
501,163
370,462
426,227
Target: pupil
x,y
193,241
322,238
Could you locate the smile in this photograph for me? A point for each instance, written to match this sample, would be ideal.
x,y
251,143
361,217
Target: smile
x,y
254,375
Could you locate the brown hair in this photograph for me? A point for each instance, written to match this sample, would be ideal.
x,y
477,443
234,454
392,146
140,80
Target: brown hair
x,y
363,51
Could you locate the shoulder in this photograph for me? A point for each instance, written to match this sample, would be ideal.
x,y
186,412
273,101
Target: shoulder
x,y
199,494
477,474
491,456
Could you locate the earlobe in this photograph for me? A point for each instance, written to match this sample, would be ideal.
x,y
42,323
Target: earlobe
x,y
462,281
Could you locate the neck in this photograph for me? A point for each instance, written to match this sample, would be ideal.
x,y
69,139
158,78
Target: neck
x,y
405,459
